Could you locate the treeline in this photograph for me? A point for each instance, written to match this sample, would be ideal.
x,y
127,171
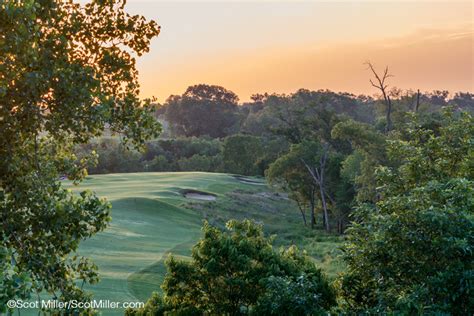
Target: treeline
x,y
237,154
319,146
213,111
206,130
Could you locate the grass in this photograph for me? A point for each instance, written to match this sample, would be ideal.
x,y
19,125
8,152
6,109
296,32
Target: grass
x,y
151,218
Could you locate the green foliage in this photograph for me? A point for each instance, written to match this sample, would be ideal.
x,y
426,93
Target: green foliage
x,y
182,154
230,271
413,251
114,157
184,147
362,137
13,282
241,154
285,114
203,110
154,306
290,296
160,163
369,147
66,71
289,173
248,155
199,163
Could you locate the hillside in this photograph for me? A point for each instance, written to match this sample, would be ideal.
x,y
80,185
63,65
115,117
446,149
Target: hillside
x,y
155,214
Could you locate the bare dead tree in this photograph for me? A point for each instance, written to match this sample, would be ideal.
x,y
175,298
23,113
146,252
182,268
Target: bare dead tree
x,y
381,84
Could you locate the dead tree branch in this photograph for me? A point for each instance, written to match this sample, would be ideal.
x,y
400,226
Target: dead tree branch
x,y
381,84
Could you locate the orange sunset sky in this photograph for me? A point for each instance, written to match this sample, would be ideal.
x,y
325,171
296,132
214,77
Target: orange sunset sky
x,y
280,46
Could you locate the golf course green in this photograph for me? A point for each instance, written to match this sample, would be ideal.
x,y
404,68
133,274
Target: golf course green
x,y
156,214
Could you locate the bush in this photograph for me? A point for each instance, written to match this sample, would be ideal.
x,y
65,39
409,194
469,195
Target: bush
x,y
160,163
291,296
236,271
153,307
230,268
196,163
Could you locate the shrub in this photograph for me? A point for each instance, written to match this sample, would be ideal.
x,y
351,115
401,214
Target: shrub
x,y
196,163
236,271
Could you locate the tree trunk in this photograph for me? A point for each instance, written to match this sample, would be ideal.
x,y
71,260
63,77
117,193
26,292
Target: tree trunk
x,y
313,218
389,113
340,226
318,177
323,201
303,215
417,101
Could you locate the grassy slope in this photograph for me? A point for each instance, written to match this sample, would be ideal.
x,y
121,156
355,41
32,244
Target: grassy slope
x,y
151,219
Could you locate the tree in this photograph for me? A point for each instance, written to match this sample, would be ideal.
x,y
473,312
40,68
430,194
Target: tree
x,y
464,101
382,85
198,163
299,171
288,173
241,154
291,296
203,110
233,272
369,151
311,134
317,172
412,252
154,306
66,72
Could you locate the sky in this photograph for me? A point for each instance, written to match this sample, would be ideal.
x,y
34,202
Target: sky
x,y
280,46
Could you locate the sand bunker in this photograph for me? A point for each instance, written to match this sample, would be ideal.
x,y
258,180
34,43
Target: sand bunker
x,y
198,195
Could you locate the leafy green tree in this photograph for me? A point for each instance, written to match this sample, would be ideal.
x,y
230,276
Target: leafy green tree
x,y
203,110
160,163
241,154
308,124
13,282
154,306
291,296
465,101
285,114
66,72
231,271
289,173
311,172
369,151
412,253
198,163
272,148
113,157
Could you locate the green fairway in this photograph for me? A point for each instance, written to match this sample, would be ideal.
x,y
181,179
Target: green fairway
x,y
151,217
